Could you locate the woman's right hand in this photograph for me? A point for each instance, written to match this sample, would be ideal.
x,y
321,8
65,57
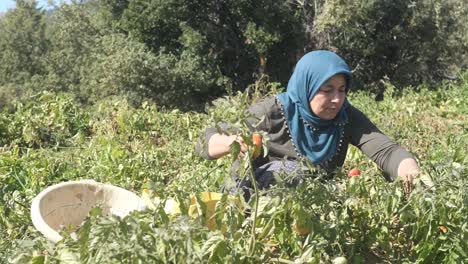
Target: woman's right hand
x,y
219,145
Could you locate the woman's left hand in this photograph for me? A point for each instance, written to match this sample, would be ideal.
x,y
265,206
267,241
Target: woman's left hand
x,y
408,170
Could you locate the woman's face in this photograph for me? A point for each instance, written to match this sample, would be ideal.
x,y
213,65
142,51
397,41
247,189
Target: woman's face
x,y
328,100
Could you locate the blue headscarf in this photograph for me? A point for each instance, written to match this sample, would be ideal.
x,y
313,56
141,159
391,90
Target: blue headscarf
x,y
314,137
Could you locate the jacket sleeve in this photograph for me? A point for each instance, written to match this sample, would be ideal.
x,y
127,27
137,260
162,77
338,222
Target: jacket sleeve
x,y
386,153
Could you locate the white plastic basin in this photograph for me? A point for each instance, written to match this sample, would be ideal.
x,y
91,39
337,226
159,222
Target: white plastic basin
x,y
67,204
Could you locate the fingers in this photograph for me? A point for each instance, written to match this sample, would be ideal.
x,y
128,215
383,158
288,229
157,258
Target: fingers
x,y
242,144
408,184
407,187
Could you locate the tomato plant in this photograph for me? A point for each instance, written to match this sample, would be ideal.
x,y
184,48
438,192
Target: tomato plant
x,y
50,138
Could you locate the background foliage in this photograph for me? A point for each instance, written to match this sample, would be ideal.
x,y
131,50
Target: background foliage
x,y
407,42
193,51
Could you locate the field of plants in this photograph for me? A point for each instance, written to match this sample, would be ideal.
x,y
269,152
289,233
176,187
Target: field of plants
x,y
50,138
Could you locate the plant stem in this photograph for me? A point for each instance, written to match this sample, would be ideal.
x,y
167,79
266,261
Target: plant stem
x,y
281,260
254,183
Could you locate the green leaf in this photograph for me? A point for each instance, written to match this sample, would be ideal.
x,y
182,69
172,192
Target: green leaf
x,y
211,243
38,260
219,209
235,149
66,256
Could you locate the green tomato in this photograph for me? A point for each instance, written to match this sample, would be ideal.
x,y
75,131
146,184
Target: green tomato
x,y
340,260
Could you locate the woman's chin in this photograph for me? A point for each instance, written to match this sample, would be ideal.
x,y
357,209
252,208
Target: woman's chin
x,y
327,117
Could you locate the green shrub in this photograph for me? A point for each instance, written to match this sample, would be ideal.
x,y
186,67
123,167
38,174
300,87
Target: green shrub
x,y
47,120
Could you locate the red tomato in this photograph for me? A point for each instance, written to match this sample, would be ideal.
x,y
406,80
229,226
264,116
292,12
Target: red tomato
x,y
257,140
443,229
354,172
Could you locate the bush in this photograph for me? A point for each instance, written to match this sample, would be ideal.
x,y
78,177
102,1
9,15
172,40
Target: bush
x,y
47,120
116,66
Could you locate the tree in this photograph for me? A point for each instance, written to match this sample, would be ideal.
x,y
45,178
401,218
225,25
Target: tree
x,y
405,42
22,43
243,37
72,30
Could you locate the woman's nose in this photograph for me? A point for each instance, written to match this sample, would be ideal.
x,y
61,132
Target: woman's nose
x,y
336,97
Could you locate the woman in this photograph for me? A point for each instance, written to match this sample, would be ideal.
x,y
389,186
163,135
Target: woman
x,y
313,120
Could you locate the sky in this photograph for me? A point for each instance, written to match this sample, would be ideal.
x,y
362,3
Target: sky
x,y
7,4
